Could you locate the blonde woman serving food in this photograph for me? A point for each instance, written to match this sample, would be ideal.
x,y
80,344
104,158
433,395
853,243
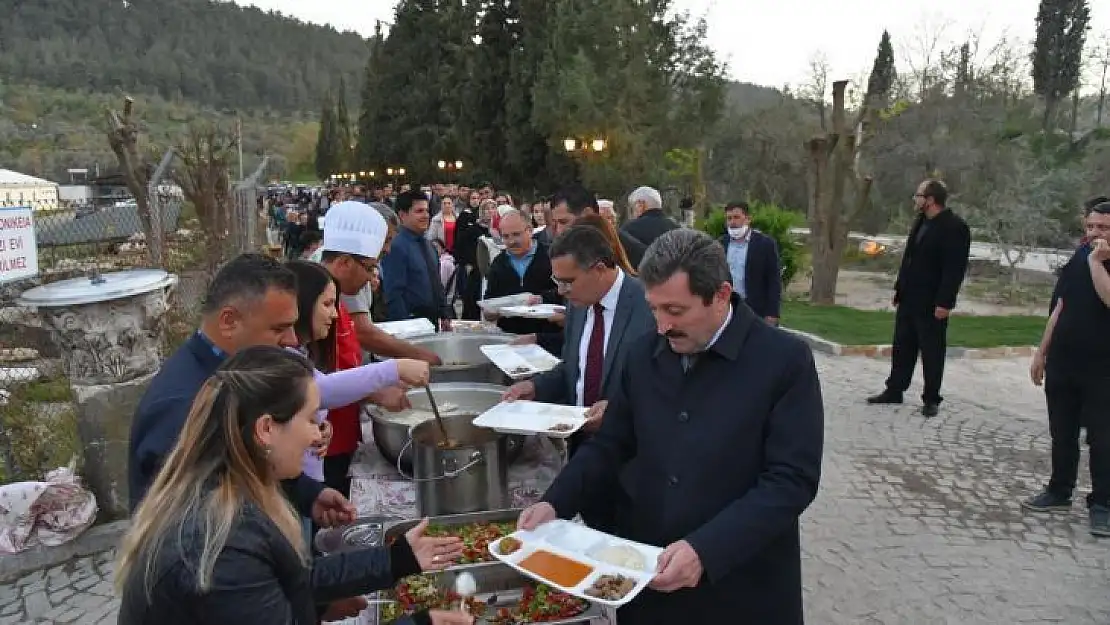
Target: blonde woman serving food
x,y
215,541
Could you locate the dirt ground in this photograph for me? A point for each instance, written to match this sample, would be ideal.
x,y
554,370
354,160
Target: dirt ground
x,y
869,290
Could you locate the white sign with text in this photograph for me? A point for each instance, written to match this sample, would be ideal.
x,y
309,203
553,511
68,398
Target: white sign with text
x,y
19,256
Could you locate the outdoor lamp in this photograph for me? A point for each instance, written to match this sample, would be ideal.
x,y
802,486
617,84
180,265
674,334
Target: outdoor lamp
x,y
598,145
389,171
401,172
458,164
570,144
361,174
442,164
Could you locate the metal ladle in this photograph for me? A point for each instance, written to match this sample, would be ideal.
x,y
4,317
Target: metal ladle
x,y
447,442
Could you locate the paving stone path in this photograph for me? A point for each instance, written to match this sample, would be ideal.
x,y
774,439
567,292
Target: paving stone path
x,y
917,522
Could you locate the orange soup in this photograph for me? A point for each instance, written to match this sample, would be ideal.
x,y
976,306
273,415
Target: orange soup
x,y
556,569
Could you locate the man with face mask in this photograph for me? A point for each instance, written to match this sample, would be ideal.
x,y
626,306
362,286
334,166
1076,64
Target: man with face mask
x,y
753,263
1073,363
722,418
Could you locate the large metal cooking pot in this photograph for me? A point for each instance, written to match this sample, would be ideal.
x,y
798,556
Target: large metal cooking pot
x,y
391,429
470,474
462,360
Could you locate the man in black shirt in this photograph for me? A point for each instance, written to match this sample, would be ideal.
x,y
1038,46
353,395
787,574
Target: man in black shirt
x,y
933,268
1073,362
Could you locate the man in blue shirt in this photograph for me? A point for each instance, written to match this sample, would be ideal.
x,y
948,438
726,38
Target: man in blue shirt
x,y
410,271
753,263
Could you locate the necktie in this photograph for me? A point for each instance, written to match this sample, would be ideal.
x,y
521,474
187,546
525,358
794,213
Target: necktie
x,y
595,359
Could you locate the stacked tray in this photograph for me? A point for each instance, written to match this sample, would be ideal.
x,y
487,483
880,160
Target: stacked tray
x,y
407,329
520,361
537,311
573,558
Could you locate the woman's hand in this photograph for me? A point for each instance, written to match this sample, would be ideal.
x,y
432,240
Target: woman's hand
x,y
433,553
449,617
413,372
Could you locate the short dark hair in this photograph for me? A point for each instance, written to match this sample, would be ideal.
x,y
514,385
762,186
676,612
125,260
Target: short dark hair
x,y
407,199
691,251
1090,204
738,205
586,245
1101,209
937,190
247,277
577,199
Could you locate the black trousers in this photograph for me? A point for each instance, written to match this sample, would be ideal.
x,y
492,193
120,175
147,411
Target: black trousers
x,y
336,469
918,331
470,287
1076,400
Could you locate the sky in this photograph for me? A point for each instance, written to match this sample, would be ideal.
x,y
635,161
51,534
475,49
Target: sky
x,y
773,43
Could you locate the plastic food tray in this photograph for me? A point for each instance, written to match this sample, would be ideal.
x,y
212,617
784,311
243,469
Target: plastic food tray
x,y
495,304
532,417
407,329
576,542
539,311
520,361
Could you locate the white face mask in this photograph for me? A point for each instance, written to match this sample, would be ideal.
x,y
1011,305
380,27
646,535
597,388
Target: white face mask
x,y
738,233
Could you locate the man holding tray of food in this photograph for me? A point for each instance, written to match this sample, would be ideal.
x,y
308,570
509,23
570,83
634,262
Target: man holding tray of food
x,y
724,416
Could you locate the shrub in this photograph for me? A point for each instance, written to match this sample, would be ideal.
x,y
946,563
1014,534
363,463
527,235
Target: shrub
x,y
773,221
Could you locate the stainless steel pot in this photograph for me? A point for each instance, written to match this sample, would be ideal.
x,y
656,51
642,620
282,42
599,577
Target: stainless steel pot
x,y
470,475
462,360
391,430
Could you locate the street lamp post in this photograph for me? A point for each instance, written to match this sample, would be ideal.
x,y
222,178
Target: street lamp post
x,y
581,149
449,166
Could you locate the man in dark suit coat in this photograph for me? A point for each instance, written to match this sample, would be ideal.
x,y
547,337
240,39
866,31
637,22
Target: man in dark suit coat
x,y
524,267
650,221
933,268
724,417
753,263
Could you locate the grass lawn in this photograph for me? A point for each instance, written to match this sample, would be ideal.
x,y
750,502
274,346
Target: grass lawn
x,y
849,326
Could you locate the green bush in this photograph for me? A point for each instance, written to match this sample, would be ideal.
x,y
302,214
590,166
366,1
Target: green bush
x,y
773,221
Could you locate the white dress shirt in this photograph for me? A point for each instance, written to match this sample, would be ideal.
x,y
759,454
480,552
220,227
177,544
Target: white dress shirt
x,y
609,304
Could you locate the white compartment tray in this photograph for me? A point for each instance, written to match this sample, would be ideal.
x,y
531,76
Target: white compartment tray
x,y
577,542
532,417
539,311
407,329
520,361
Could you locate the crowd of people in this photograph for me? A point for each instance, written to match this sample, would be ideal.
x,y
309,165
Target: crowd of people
x,y
704,430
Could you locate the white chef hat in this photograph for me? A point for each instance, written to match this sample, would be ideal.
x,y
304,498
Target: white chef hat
x,y
354,228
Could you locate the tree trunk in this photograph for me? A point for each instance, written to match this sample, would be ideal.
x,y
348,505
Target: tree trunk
x,y
123,137
826,272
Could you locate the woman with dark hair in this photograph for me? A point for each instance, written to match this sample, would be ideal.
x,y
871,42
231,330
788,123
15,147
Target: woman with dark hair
x,y
214,541
606,228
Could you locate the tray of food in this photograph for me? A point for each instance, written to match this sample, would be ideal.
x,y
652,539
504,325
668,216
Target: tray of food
x,y
407,329
501,597
536,311
520,361
583,562
467,326
495,304
477,530
533,417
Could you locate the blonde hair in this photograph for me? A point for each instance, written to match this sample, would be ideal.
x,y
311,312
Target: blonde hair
x,y
217,466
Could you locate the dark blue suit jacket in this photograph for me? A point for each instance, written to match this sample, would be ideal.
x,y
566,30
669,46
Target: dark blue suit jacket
x,y
161,416
728,456
762,275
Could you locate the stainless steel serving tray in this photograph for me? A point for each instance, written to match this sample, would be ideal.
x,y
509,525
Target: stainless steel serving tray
x,y
500,587
455,520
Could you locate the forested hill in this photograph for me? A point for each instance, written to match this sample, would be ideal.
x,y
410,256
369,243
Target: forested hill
x,y
212,53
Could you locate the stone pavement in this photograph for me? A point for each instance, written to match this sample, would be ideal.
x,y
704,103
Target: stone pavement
x,y
917,522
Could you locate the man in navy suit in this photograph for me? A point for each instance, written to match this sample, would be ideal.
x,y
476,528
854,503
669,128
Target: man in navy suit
x,y
753,262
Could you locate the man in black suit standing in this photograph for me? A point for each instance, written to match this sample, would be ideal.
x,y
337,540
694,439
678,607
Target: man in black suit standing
x,y
753,262
724,418
933,268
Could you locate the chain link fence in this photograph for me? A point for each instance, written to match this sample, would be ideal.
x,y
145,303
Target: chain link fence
x,y
74,239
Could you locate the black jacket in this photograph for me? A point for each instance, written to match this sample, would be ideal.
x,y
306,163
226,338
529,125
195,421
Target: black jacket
x,y
730,477
649,226
762,275
161,416
503,280
467,232
258,579
633,247
934,263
